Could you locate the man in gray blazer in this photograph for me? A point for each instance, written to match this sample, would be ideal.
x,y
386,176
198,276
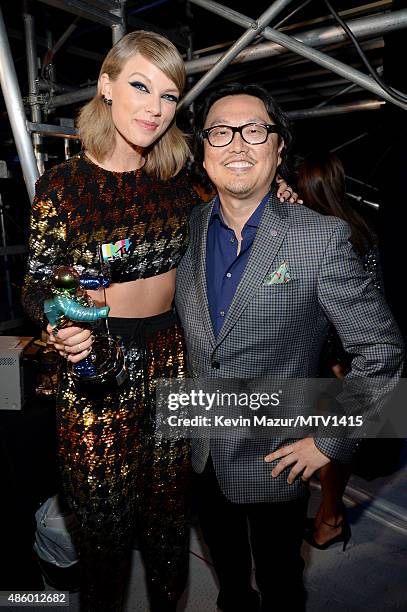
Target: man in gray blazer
x,y
257,290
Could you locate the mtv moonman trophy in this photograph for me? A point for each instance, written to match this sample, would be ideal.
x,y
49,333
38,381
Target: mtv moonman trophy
x,y
105,365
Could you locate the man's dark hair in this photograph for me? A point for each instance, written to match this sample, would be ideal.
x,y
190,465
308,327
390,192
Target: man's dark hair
x,y
274,111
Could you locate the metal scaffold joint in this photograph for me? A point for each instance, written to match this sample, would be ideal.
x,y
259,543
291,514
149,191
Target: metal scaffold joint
x,y
32,99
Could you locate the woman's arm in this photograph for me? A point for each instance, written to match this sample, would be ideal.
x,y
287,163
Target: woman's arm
x,y
46,248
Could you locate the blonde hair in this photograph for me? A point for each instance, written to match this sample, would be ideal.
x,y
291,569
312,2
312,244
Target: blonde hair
x,y
168,154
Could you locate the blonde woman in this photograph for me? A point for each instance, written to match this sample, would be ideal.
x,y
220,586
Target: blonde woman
x,y
126,188
126,185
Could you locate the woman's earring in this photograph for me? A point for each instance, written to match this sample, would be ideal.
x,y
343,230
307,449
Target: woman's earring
x,y
107,101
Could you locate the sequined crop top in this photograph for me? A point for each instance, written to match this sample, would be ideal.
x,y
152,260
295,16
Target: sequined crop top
x,y
138,223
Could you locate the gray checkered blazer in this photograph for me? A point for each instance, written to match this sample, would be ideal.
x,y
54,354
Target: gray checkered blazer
x,y
279,330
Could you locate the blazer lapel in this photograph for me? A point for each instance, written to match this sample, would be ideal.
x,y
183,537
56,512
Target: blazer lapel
x,y
199,232
270,234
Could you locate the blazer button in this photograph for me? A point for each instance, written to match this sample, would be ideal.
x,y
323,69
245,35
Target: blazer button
x,y
215,364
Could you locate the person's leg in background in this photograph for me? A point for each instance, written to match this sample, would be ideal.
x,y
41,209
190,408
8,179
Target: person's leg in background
x,y
331,518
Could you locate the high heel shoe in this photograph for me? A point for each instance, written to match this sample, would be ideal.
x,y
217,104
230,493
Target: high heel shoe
x,y
343,536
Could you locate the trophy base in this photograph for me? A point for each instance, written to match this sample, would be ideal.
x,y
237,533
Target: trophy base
x,y
107,366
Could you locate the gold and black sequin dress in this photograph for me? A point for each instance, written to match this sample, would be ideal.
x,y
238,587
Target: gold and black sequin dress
x,y
118,475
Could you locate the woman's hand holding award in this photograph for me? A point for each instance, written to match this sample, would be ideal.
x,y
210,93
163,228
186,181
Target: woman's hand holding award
x,y
105,365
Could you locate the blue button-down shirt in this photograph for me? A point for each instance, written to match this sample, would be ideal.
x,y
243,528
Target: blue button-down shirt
x,y
224,268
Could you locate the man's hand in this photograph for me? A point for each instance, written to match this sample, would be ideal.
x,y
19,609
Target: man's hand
x,y
307,458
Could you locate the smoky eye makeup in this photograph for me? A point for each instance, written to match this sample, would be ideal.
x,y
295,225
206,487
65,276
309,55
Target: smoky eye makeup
x,y
171,98
139,85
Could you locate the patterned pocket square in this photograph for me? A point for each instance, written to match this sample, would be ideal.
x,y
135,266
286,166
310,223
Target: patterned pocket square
x,y
281,275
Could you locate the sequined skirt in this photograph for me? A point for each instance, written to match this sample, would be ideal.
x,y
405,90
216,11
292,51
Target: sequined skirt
x,y
121,478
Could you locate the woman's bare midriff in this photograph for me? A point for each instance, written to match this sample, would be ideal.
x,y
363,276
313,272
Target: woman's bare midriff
x,y
140,298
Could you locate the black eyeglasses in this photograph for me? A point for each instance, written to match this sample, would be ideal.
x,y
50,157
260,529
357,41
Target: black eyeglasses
x,y
252,133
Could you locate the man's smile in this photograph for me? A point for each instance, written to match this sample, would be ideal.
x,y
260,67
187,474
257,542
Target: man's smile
x,y
239,164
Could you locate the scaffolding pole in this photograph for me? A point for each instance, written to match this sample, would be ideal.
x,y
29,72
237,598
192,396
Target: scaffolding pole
x,y
15,110
107,12
73,97
119,29
362,28
100,12
347,72
337,109
33,84
253,29
60,131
